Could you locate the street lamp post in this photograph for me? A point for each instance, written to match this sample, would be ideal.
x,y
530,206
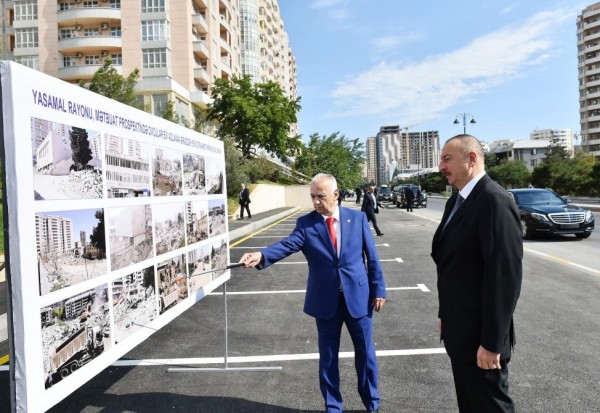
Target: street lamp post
x,y
465,117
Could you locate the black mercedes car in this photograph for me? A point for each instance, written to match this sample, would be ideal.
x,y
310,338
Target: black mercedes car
x,y
544,212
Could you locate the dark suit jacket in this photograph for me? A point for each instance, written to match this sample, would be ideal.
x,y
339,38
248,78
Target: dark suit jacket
x,y
369,206
478,257
357,268
244,196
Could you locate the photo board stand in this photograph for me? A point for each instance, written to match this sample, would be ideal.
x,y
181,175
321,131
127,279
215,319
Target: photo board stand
x,y
225,366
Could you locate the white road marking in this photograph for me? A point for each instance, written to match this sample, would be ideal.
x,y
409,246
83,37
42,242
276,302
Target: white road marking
x,y
271,358
563,261
398,259
421,287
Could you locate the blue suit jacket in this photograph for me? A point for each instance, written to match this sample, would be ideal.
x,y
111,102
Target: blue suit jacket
x,y
357,269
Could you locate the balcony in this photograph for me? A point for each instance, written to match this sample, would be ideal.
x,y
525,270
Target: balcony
x,y
87,15
82,71
76,44
199,23
201,49
200,97
201,74
225,46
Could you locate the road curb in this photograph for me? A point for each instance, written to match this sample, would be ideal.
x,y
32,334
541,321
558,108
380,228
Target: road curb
x,y
253,226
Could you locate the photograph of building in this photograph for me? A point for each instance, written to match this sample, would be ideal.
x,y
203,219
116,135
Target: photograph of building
x,y
74,332
66,161
172,282
217,220
166,172
215,172
63,259
196,213
127,168
194,175
133,302
199,267
218,257
169,226
130,235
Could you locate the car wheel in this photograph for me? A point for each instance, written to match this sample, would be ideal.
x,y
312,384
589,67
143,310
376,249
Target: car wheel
x,y
586,235
525,230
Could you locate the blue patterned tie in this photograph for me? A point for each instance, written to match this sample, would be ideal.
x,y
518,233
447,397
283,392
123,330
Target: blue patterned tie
x,y
457,204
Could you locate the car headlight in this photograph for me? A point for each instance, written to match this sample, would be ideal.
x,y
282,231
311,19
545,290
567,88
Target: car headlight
x,y
540,217
588,216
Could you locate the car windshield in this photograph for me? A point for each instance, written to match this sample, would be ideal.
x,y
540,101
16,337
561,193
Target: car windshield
x,y
384,191
538,198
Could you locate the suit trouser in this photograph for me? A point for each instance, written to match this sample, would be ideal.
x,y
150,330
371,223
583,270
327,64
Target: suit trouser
x,y
479,390
365,362
373,219
245,206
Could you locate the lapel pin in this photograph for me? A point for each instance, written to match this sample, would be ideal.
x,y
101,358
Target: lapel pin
x,y
348,221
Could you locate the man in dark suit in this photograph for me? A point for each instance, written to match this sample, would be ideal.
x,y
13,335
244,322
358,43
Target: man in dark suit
x,y
345,284
244,202
478,250
409,197
358,191
370,207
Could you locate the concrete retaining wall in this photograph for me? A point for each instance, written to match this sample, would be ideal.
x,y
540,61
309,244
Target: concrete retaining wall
x,y
265,197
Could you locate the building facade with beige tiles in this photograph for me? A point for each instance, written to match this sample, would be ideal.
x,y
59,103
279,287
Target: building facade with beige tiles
x,y
179,46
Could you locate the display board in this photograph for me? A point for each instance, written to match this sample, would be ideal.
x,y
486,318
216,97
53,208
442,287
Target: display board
x,y
116,219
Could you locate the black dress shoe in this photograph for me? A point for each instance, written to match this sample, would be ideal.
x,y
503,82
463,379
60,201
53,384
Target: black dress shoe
x,y
373,411
380,234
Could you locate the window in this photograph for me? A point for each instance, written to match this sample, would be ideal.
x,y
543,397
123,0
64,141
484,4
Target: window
x,y
159,103
92,59
67,34
153,30
69,61
533,162
26,37
153,58
29,61
151,6
92,32
534,151
65,6
26,10
115,31
115,4
91,4
117,59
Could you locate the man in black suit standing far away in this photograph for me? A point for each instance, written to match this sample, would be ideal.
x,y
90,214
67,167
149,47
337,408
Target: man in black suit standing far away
x,y
244,201
478,251
370,207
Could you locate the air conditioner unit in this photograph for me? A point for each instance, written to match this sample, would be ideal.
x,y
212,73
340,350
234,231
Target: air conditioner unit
x,y
78,55
104,26
104,53
76,1
77,27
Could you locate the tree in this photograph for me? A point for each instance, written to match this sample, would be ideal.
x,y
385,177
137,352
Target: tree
x,y
254,116
80,146
510,174
108,82
334,154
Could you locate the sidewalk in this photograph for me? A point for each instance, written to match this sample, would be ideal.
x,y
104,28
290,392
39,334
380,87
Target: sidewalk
x,y
242,227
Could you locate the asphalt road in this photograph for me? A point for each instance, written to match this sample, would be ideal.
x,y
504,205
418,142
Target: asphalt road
x,y
555,367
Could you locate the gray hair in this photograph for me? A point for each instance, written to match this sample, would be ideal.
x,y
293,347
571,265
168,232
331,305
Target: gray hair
x,y
322,176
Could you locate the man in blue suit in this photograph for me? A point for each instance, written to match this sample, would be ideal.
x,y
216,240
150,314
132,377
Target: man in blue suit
x,y
345,284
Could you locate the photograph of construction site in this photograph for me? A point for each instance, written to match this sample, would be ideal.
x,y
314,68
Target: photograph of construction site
x,y
133,302
194,175
214,176
169,226
172,282
67,161
74,332
167,175
196,221
127,167
217,219
199,267
129,235
71,247
218,257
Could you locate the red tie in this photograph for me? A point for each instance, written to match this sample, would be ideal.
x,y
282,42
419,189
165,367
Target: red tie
x,y
332,232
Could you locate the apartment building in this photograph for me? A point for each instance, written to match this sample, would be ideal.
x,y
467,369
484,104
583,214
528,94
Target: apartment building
x,y
588,55
371,160
561,137
53,234
399,148
179,46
